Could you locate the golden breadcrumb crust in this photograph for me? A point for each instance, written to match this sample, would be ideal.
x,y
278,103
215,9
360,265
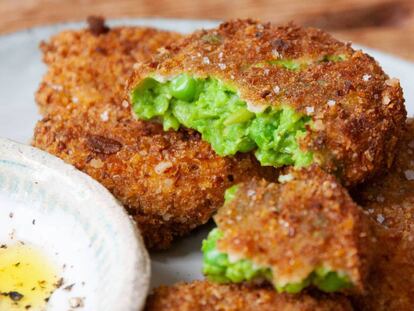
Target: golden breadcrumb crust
x,y
389,200
87,72
306,222
357,111
170,182
206,296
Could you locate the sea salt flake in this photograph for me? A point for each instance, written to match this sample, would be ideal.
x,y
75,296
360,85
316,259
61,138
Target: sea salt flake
x,y
206,60
222,66
366,77
220,55
266,71
409,174
331,103
255,108
380,218
285,224
285,178
386,100
276,89
251,192
380,199
310,110
105,116
125,103
275,53
75,100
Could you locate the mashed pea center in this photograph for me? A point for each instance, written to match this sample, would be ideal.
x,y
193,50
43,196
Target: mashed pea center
x,y
216,111
218,267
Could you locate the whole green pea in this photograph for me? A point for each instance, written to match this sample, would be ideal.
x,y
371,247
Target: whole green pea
x,y
183,87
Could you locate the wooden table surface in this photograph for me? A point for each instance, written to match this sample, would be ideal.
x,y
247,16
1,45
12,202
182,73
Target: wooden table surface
x,y
387,25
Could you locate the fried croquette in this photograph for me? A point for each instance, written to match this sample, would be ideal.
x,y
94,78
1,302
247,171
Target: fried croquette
x,y
170,182
207,296
304,231
295,96
389,200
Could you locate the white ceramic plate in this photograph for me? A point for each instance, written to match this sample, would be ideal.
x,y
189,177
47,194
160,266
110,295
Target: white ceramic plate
x,y
78,226
21,70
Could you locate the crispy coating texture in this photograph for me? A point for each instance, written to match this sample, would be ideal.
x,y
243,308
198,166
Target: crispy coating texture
x,y
170,182
297,226
87,72
206,296
357,111
389,200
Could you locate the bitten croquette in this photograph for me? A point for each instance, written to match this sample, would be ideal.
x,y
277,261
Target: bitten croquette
x,y
294,96
304,231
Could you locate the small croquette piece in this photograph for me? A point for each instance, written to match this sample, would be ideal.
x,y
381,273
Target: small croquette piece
x,y
295,96
170,182
389,200
207,296
304,231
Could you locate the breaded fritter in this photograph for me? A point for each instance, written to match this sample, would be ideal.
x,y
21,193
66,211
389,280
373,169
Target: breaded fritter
x,y
207,296
301,232
321,101
170,182
389,200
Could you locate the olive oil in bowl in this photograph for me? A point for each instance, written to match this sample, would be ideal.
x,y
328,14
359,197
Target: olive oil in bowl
x,y
27,278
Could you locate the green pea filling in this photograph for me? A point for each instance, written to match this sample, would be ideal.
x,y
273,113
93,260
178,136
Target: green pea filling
x,y
334,58
218,268
330,281
230,193
290,64
217,112
286,63
299,64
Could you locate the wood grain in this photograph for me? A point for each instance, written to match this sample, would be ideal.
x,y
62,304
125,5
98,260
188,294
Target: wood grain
x,y
383,24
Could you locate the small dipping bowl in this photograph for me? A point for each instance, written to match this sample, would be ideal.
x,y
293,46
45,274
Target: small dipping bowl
x,y
79,227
